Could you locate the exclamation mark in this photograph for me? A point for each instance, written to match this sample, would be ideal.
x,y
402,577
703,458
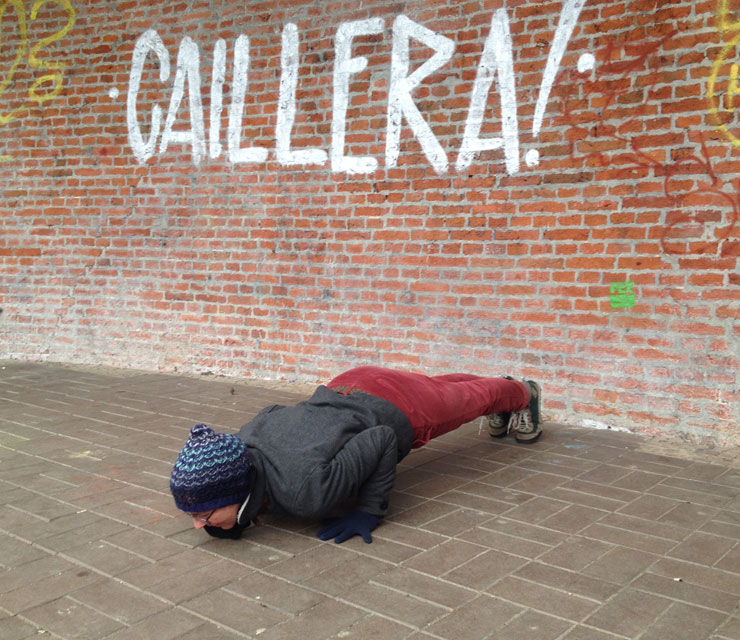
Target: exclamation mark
x,y
568,18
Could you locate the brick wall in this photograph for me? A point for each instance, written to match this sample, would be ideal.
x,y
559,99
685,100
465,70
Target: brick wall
x,y
543,188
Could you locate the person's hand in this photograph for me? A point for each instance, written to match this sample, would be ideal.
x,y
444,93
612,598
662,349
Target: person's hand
x,y
356,523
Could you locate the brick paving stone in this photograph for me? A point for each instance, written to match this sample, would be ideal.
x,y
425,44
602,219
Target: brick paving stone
x,y
649,506
536,483
175,565
620,565
572,518
639,480
568,581
729,630
477,502
243,551
306,565
481,572
695,497
145,544
702,548
508,475
446,557
119,601
48,589
508,495
533,624
421,586
544,599
337,578
523,531
77,533
711,578
629,612
29,572
537,510
684,591
14,552
235,612
644,526
457,522
584,632
607,474
401,607
719,528
325,620
576,552
68,618
381,549
171,624
284,541
617,536
420,539
509,543
13,628
731,560
436,485
684,622
427,511
275,593
198,581
729,477
475,620
373,627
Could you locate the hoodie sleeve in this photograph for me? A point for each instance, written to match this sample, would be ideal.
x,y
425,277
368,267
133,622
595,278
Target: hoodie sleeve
x,y
365,467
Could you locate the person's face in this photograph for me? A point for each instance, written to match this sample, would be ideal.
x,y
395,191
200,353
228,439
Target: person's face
x,y
224,518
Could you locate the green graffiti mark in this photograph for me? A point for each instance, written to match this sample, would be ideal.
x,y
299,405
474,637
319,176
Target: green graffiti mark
x,y
621,295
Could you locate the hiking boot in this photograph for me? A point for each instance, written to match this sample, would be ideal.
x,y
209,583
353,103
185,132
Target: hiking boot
x,y
498,424
526,423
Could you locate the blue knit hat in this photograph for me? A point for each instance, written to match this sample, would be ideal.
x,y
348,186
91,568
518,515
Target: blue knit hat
x,y
212,471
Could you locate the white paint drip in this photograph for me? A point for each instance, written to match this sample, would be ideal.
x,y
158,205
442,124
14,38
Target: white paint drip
x,y
586,62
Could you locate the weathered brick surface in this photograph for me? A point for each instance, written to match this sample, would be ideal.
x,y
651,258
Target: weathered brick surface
x,y
284,190
585,535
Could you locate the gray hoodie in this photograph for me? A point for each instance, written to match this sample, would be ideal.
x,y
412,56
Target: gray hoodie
x,y
310,458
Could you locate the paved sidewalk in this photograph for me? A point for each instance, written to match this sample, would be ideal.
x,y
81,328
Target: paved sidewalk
x,y
586,535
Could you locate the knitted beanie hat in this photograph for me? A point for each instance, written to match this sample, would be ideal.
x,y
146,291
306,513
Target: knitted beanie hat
x,y
212,471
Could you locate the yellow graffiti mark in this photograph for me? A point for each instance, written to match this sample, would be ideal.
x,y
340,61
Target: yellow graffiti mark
x,y
724,25
34,94
39,64
714,107
21,49
724,22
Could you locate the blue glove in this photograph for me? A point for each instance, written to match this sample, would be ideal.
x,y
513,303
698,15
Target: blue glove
x,y
356,523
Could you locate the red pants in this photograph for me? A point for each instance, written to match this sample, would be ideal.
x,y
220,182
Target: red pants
x,y
436,405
